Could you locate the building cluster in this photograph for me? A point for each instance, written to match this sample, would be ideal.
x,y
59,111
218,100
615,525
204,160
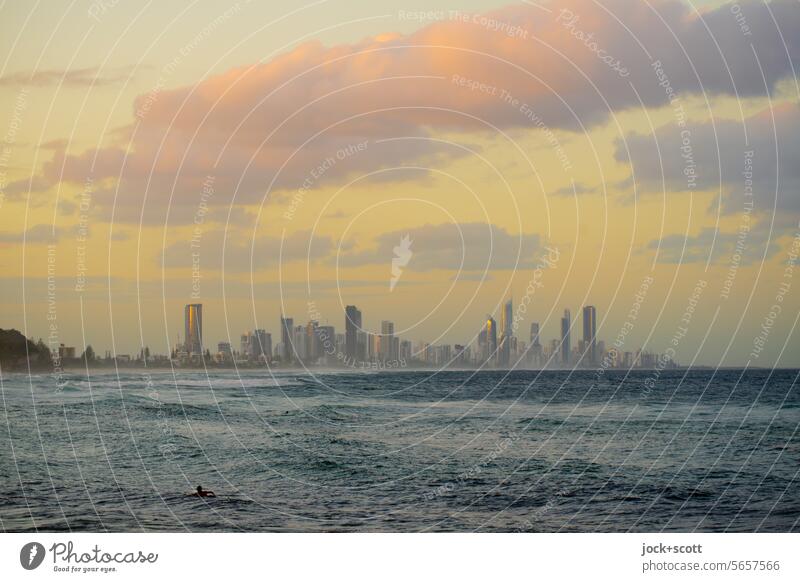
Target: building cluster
x,y
495,346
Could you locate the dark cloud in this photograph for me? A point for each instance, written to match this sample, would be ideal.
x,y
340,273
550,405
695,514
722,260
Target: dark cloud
x,y
81,78
479,246
39,234
575,189
678,248
767,145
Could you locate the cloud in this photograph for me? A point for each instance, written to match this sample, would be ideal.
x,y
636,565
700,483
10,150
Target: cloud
x,y
266,251
749,246
725,156
479,246
81,78
39,234
574,189
19,189
272,124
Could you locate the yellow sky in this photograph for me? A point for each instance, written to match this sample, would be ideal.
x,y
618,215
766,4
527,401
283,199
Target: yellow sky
x,y
455,185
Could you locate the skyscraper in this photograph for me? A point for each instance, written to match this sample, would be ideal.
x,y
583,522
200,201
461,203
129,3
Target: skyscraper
x,y
506,318
193,323
312,341
262,345
535,334
387,341
491,339
590,332
536,345
287,330
352,326
246,345
566,346
326,343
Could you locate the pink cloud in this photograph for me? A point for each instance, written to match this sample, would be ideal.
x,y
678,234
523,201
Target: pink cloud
x,y
268,126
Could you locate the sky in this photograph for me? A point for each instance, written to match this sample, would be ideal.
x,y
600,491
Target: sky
x,y
268,157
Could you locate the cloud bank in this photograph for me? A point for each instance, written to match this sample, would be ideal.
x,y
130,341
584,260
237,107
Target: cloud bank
x,y
267,126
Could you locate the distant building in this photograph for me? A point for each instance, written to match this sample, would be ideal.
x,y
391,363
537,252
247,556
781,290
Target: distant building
x,y
405,350
66,352
590,333
352,326
506,319
566,346
299,343
287,351
536,345
245,345
224,352
462,356
262,345
373,346
387,345
313,349
193,324
490,347
326,338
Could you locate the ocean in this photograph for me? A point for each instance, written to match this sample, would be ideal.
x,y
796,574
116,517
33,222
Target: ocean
x,y
401,451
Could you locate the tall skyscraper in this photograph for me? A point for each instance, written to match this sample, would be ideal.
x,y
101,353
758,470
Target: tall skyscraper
x,y
590,332
193,323
491,339
504,356
536,345
287,330
566,346
352,326
387,341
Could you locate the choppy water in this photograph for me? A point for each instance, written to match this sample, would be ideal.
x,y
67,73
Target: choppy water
x,y
402,451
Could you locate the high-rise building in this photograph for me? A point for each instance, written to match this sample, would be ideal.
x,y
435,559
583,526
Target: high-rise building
x,y
535,340
313,350
566,346
462,355
352,327
224,351
193,323
299,343
287,329
373,347
590,332
536,346
405,350
246,345
387,341
262,345
326,343
491,339
506,319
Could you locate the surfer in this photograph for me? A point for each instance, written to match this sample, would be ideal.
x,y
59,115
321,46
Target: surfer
x,y
202,492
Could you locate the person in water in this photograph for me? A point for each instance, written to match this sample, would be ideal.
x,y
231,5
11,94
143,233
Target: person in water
x,y
203,492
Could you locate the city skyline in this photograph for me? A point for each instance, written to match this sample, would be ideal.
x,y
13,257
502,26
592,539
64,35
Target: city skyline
x,y
432,200
314,344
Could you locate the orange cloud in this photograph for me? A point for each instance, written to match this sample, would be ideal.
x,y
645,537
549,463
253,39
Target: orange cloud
x,y
268,126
